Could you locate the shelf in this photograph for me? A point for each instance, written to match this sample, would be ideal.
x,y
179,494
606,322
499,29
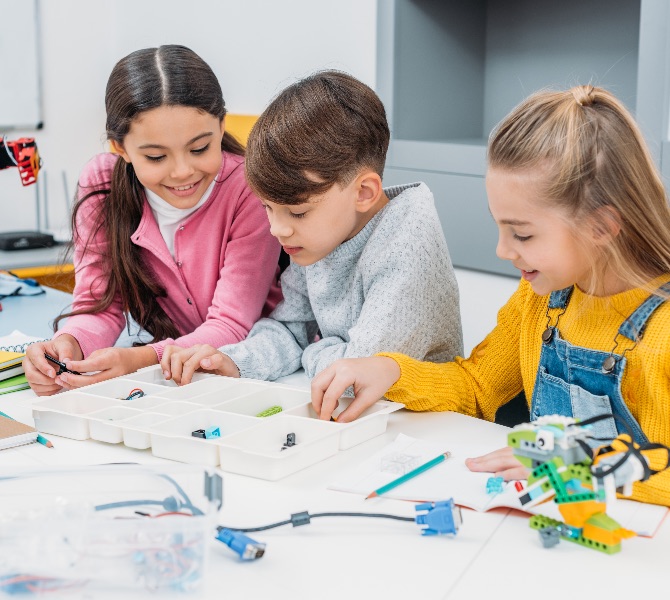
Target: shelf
x,y
460,67
448,71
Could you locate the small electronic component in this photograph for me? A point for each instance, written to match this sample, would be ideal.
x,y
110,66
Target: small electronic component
x,y
61,366
212,432
268,412
207,434
494,485
290,441
439,518
245,547
134,394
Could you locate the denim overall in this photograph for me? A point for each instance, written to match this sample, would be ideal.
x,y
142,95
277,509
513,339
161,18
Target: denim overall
x,y
582,383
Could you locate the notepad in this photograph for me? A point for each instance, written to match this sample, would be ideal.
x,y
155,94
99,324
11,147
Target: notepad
x,y
13,433
452,479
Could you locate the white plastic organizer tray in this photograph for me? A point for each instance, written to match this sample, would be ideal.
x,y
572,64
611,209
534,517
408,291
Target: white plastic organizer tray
x,y
165,417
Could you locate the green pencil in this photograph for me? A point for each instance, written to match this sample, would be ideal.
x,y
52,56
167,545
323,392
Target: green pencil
x,y
407,476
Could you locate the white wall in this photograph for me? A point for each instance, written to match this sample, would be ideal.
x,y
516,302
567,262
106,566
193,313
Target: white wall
x,y
256,47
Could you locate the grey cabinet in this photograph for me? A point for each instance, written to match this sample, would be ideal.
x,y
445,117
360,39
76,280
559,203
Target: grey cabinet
x,y
449,70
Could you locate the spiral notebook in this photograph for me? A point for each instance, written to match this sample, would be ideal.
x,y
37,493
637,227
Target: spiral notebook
x,y
17,341
13,433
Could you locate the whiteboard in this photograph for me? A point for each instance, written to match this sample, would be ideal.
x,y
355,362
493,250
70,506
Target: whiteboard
x,y
20,103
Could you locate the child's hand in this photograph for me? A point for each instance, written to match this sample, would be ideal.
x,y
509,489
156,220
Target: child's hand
x,y
105,364
40,373
179,363
502,463
371,378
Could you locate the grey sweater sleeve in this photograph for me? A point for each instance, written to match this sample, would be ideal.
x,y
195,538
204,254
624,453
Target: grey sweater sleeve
x,y
410,301
390,288
275,345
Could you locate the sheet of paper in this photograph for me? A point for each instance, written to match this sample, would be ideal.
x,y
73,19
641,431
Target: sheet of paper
x,y
452,479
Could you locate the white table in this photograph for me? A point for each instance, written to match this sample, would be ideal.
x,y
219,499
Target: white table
x,y
494,555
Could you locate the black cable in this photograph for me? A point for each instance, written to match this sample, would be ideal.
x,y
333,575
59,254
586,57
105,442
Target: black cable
x,y
304,518
630,446
375,515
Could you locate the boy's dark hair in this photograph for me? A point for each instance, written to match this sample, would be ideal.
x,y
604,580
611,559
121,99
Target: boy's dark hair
x,y
320,131
170,75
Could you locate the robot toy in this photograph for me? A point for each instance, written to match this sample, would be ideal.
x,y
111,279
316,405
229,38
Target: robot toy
x,y
580,479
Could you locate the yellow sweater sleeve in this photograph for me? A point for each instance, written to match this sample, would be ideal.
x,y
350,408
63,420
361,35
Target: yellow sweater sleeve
x,y
506,363
476,386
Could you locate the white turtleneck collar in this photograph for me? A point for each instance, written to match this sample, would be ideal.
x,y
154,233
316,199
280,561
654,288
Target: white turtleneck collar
x,y
169,217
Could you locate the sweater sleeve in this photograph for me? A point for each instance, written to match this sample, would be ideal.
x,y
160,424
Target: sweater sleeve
x,y
248,275
476,386
410,300
101,329
275,345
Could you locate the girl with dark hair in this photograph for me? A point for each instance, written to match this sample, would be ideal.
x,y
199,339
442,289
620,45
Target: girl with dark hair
x,y
166,230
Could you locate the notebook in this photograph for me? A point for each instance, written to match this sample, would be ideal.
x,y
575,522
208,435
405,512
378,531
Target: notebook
x,y
17,341
14,384
13,433
10,364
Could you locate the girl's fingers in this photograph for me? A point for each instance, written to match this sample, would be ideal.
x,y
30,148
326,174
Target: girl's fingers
x,y
78,381
501,462
192,364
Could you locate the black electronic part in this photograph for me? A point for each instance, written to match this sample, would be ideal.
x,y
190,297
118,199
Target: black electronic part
x,y
61,366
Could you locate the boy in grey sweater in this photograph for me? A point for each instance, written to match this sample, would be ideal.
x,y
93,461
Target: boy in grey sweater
x,y
370,270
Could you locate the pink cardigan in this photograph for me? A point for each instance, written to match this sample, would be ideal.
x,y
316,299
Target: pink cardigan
x,y
222,279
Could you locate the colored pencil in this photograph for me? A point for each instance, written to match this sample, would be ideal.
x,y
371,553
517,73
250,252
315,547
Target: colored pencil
x,y
44,441
407,476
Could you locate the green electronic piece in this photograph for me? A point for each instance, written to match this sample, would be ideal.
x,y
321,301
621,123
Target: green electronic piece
x,y
268,412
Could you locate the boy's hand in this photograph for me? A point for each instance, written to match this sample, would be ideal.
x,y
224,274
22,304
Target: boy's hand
x,y
179,363
502,463
105,364
40,373
371,378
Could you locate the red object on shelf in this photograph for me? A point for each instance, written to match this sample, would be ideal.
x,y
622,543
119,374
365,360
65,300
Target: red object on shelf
x,y
23,154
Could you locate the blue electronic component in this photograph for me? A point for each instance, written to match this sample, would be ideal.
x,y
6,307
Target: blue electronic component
x,y
243,545
494,485
212,432
439,517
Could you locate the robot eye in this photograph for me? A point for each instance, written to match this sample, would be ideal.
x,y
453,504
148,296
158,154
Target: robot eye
x,y
545,440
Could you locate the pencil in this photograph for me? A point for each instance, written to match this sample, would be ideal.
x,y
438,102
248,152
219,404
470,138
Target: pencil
x,y
407,476
40,438
44,441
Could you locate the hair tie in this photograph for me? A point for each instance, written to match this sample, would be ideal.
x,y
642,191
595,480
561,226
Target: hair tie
x,y
583,95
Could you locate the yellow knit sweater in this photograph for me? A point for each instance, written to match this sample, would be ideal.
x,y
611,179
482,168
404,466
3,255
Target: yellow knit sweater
x,y
506,363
